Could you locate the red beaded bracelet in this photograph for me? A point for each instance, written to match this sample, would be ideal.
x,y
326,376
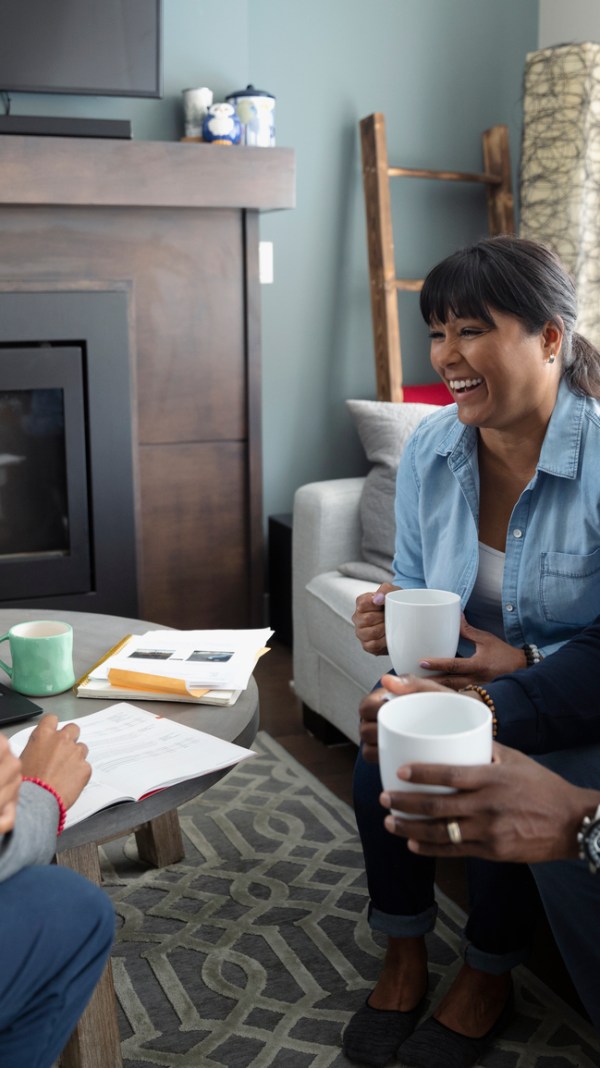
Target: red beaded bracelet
x,y
62,812
485,697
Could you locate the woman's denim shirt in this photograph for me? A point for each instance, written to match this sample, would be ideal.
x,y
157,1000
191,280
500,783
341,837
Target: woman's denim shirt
x,y
551,584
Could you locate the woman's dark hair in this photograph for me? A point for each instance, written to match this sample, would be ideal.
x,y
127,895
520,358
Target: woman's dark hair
x,y
516,277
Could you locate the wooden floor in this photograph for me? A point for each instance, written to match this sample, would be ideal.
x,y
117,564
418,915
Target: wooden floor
x,y
281,717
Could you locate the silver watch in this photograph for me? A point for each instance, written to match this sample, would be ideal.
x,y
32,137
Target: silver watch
x,y
589,841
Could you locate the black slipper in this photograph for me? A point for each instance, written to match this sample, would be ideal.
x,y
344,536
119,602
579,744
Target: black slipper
x,y
373,1035
433,1045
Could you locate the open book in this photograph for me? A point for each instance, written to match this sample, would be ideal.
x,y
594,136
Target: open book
x,y
134,753
204,667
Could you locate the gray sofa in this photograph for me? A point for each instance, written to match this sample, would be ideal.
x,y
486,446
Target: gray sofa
x,y
343,537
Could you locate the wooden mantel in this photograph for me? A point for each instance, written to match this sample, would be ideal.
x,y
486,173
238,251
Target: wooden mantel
x,y
174,226
83,171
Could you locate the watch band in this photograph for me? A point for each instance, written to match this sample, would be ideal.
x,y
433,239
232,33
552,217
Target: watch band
x,y
588,840
532,654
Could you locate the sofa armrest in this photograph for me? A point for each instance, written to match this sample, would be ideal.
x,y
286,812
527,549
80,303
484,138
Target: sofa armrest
x,y
326,532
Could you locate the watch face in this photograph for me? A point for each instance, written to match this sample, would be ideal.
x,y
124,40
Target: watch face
x,y
591,839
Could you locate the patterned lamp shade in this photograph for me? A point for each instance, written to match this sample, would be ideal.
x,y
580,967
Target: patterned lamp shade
x,y
560,166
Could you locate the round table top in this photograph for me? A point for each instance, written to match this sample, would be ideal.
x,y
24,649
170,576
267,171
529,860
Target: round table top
x,y
94,635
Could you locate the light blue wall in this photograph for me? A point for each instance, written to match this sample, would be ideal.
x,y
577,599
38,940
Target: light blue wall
x,y
441,71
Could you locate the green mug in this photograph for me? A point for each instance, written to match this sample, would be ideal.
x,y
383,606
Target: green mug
x,y
42,657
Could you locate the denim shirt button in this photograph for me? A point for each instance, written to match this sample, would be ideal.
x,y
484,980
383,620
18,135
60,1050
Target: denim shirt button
x,y
510,607
517,533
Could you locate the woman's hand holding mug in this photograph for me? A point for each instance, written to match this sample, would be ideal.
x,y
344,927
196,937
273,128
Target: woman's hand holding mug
x,y
369,619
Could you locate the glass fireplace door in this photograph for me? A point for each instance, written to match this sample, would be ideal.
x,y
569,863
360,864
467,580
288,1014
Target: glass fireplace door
x,y
44,506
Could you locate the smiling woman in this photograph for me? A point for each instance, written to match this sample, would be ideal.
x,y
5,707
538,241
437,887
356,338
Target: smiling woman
x,y
492,370
511,467
498,500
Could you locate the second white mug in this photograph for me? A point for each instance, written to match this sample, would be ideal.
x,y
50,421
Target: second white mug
x,y
431,728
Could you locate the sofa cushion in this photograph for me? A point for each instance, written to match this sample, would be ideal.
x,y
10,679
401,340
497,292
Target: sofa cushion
x,y
384,429
330,601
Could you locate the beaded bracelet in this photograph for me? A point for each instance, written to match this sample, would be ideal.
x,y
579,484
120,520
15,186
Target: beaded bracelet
x,y
485,697
532,654
62,812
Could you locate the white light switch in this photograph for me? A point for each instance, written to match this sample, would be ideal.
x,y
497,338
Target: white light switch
x,y
265,262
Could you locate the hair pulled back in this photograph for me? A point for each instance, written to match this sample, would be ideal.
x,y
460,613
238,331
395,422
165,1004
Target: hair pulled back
x,y
518,277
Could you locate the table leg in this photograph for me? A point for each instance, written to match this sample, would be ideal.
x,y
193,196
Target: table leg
x,y
95,1042
159,841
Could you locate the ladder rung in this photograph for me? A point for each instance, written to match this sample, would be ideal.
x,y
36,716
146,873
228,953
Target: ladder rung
x,y
444,176
413,285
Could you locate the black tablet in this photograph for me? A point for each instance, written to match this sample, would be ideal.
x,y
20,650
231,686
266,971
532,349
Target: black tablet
x,y
14,706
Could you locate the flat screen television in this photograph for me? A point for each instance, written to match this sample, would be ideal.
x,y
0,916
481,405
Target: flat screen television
x,y
98,47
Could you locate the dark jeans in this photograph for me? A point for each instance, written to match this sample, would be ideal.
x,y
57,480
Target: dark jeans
x,y
571,894
504,902
56,930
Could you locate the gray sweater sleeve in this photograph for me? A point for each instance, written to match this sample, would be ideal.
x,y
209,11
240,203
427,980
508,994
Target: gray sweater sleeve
x,y
33,838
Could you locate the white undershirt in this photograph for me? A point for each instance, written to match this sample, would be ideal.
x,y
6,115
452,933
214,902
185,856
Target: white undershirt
x,y
484,608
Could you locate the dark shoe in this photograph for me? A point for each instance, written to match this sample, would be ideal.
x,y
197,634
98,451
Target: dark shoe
x,y
373,1035
433,1045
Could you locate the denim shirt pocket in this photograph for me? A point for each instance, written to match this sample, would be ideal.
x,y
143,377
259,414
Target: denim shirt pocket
x,y
570,587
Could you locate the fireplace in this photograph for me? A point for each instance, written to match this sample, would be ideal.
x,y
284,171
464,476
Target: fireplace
x,y
67,533
162,238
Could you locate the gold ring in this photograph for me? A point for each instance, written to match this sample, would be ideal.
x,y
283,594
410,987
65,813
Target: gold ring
x,y
454,833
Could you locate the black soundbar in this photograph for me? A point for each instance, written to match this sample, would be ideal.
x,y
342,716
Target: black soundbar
x,y
50,126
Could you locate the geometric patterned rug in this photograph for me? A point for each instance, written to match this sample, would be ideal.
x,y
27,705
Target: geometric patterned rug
x,y
254,951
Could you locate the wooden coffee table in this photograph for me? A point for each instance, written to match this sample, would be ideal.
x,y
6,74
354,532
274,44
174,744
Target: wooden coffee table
x,y
95,1043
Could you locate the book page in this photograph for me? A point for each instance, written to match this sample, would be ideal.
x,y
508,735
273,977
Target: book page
x,y
133,752
96,796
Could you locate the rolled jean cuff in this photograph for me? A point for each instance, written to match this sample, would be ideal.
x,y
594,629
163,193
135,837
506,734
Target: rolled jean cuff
x,y
403,926
494,963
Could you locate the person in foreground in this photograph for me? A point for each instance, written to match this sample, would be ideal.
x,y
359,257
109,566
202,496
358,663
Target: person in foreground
x,y
56,928
543,812
498,500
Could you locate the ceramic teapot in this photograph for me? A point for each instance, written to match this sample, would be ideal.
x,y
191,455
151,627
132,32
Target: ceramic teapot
x,y
255,109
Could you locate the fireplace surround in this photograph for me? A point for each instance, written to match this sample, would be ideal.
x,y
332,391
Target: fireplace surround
x,y
170,232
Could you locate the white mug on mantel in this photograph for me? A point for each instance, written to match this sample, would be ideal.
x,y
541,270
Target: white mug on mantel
x,y
196,103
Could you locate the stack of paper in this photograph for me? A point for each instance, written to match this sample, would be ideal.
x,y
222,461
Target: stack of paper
x,y
205,666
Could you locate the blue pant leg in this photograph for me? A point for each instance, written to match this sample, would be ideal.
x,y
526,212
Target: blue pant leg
x,y
401,884
571,894
56,930
401,888
504,906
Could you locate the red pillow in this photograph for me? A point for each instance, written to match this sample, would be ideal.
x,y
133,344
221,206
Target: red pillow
x,y
435,393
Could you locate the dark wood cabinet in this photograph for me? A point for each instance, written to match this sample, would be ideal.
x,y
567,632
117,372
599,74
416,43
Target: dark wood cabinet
x,y
175,228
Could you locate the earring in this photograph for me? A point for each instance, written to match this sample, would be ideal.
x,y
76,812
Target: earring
x,y
550,358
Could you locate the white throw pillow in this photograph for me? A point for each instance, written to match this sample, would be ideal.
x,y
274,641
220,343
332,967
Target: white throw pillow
x,y
384,429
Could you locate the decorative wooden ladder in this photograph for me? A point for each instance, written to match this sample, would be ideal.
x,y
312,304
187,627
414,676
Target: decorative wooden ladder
x,y
496,178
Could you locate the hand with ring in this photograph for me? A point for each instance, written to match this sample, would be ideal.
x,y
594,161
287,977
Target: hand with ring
x,y
513,809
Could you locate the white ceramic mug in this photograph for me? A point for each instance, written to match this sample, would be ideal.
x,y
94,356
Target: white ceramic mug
x,y
419,625
431,728
196,103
